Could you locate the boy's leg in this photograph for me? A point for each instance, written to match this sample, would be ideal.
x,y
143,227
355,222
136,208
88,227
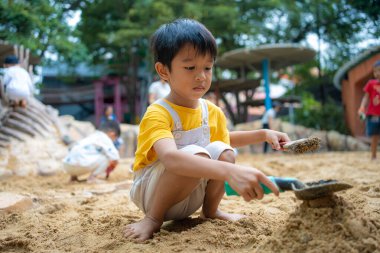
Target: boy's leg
x,y
74,171
373,130
374,143
214,194
100,170
170,190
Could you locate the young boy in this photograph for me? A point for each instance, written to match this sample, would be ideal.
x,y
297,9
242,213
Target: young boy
x,y
372,99
95,155
185,152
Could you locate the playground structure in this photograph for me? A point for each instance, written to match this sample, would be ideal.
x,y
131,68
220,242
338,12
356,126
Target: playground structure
x,y
109,91
350,80
104,91
101,98
262,59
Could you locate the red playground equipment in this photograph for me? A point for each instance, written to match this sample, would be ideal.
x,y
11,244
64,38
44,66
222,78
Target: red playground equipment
x,y
107,92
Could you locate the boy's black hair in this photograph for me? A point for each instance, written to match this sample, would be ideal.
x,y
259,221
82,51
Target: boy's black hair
x,y
110,125
171,37
11,59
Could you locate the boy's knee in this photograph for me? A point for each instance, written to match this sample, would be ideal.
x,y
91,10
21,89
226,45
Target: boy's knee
x,y
227,156
203,155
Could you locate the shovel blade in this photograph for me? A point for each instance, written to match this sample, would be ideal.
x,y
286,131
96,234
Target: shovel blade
x,y
318,189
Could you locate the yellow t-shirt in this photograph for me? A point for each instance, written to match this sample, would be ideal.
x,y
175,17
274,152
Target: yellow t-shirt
x,y
157,124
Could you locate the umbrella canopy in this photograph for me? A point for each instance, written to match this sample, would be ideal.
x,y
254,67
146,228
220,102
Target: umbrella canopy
x,y
279,56
266,57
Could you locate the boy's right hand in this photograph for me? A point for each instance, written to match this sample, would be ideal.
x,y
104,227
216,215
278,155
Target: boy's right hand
x,y
111,166
246,182
361,110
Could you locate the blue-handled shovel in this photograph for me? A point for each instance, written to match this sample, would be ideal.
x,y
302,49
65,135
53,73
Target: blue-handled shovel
x,y
303,191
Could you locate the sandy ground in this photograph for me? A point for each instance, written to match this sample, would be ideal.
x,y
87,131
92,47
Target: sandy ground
x,y
91,218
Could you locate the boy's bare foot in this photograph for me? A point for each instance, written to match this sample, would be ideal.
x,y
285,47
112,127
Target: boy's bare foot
x,y
224,216
143,229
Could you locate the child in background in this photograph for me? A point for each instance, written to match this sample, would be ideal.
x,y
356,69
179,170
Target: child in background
x,y
109,115
95,155
17,85
158,89
185,152
370,108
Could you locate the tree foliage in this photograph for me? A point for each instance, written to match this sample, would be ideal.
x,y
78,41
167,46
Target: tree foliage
x,y
117,32
116,27
41,25
119,28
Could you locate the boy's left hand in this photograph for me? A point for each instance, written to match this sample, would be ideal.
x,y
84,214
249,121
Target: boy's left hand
x,y
274,138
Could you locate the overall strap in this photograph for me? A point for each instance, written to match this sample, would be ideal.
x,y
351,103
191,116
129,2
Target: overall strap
x,y
204,112
173,113
175,117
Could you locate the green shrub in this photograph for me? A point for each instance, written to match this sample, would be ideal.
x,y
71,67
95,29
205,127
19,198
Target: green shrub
x,y
312,114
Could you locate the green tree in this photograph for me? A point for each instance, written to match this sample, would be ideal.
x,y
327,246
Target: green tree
x,y
41,25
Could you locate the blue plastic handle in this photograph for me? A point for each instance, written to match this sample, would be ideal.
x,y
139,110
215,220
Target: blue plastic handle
x,y
282,183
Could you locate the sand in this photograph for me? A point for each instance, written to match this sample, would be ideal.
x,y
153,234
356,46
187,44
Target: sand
x,y
90,218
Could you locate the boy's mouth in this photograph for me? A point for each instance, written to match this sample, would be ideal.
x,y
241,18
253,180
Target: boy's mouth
x,y
199,88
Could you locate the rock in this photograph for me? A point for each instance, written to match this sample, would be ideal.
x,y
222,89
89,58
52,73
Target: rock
x,y
102,190
124,185
12,202
129,135
48,168
4,174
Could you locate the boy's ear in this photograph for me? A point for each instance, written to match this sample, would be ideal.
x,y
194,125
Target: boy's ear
x,y
162,71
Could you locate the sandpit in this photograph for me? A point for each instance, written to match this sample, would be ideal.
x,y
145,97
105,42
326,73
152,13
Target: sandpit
x,y
91,218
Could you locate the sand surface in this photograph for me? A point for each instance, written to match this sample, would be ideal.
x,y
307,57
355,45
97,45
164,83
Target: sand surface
x,y
91,218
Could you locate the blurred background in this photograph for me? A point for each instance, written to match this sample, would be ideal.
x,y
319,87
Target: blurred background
x,y
87,54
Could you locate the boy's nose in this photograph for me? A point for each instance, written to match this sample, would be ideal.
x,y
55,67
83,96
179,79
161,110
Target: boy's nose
x,y
200,76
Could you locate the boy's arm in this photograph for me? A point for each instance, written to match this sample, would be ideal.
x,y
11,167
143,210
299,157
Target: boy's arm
x,y
363,104
244,180
152,98
270,121
243,138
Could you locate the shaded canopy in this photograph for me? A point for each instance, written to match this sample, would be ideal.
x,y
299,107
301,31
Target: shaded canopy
x,y
262,58
279,56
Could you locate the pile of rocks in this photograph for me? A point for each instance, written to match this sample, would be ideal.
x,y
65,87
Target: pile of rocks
x,y
330,140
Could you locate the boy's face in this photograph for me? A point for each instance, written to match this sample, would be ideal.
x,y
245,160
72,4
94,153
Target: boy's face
x,y
109,111
190,76
376,72
112,135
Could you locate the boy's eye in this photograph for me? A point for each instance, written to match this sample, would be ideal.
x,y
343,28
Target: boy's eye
x,y
208,68
190,68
